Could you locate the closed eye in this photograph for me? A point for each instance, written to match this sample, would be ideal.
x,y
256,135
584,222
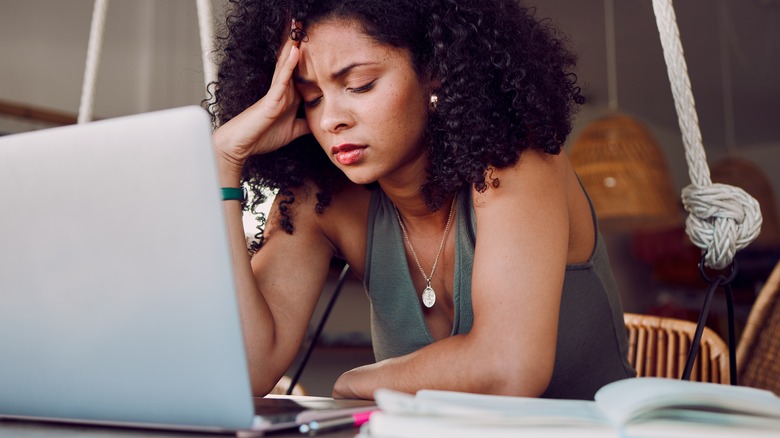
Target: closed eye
x,y
362,89
311,103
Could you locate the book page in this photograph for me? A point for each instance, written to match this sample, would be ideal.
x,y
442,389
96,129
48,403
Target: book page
x,y
633,399
663,428
384,425
492,408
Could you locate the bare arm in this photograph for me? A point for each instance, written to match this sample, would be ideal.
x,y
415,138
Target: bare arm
x,y
519,267
277,293
281,289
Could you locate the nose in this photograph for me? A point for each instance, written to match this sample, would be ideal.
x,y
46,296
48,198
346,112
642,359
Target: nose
x,y
335,116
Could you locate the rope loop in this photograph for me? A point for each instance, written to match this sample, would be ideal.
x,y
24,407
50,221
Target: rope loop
x,y
718,276
722,219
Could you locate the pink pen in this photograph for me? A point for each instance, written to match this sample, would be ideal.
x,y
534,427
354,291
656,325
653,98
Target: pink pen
x,y
354,420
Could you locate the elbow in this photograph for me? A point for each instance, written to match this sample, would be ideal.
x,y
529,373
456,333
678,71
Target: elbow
x,y
267,368
523,375
267,381
262,386
279,387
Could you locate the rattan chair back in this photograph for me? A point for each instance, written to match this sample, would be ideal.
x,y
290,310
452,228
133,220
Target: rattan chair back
x,y
658,347
758,351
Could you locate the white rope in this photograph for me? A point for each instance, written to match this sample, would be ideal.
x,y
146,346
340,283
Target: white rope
x,y
722,219
94,47
206,26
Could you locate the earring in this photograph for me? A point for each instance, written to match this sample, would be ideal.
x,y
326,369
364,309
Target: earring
x,y
434,102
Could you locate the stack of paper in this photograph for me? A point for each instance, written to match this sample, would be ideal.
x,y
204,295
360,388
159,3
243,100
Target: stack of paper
x,y
637,407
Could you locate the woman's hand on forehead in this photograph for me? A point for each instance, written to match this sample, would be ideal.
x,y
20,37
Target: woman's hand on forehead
x,y
271,122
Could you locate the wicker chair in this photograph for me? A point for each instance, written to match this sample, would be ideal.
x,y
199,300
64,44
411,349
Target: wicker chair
x,y
758,351
658,347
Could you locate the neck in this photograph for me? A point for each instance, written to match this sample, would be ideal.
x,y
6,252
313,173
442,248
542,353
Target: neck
x,y
408,200
419,219
402,187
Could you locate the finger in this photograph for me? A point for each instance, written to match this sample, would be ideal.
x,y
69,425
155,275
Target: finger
x,y
283,82
274,103
288,43
283,55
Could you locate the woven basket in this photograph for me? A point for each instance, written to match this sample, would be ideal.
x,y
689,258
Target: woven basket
x,y
626,175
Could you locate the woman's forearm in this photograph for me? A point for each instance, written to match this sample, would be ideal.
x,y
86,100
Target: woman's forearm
x,y
457,363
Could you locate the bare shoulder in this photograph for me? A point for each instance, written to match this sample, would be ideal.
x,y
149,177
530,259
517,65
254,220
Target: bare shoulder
x,y
341,224
535,175
540,194
345,223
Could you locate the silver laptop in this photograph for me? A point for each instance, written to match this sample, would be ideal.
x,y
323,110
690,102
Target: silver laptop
x,y
117,301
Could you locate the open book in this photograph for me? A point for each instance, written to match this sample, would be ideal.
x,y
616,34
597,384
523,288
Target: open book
x,y
636,407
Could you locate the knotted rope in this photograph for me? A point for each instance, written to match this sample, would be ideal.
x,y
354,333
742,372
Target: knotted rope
x,y
94,49
722,219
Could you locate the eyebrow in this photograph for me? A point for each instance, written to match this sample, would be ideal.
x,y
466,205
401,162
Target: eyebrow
x,y
338,74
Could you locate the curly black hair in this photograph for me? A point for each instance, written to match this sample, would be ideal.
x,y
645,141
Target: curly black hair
x,y
505,83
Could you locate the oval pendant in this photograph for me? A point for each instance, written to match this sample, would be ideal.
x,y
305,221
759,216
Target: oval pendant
x,y
428,297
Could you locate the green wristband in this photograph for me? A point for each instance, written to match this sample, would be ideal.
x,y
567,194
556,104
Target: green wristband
x,y
233,194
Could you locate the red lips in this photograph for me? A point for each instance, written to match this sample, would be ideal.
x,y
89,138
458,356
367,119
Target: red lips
x,y
347,153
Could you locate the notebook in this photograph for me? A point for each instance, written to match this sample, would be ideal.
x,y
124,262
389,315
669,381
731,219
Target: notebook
x,y
117,301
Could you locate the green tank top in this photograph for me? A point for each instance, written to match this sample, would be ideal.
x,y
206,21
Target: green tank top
x,y
591,348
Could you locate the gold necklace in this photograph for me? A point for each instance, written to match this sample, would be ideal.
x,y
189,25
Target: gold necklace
x,y
428,295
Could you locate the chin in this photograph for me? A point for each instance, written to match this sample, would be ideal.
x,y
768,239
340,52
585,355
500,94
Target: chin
x,y
362,181
358,177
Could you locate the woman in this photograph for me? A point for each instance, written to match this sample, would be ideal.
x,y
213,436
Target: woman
x,y
420,141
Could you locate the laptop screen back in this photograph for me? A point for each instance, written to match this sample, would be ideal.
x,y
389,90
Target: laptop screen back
x,y
117,300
